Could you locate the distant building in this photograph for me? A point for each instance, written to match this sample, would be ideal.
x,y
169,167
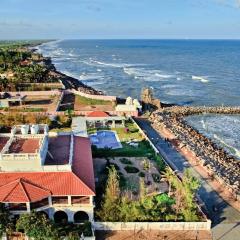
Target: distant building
x,y
51,174
132,107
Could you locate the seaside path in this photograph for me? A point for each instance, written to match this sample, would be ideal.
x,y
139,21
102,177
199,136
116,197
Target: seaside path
x,y
226,220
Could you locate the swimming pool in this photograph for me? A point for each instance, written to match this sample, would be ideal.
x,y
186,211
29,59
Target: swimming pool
x,y
105,139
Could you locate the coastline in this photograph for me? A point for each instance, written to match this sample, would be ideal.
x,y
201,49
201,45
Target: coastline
x,y
223,190
68,81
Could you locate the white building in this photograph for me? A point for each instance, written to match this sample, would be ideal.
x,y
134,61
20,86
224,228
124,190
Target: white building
x,y
52,174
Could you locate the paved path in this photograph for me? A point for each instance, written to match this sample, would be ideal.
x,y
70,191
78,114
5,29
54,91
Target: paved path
x,y
226,221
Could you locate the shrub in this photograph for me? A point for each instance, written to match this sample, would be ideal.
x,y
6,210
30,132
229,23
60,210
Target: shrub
x,y
125,161
156,178
131,169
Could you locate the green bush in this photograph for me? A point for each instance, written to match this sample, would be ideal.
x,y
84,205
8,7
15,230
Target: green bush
x,y
156,178
141,174
131,169
125,161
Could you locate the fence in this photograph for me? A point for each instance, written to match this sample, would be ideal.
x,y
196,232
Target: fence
x,y
123,226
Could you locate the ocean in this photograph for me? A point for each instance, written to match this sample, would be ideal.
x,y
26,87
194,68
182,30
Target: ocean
x,y
189,72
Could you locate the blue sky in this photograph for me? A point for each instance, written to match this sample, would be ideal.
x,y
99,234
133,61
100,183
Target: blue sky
x,y
65,19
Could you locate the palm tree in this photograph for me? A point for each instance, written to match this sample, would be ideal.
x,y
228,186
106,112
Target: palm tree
x,y
170,177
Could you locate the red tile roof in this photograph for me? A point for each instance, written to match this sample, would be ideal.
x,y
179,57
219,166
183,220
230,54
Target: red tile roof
x,y
58,183
97,114
82,161
21,187
22,190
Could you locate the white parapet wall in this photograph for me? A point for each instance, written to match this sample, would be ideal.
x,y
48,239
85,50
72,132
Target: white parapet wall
x,y
160,226
96,97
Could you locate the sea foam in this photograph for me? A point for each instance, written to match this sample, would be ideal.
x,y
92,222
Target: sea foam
x,y
202,79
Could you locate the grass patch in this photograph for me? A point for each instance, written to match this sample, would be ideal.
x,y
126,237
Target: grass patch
x,y
143,150
125,161
129,133
131,169
80,100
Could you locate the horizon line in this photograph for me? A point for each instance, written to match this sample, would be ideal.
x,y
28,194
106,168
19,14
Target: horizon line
x,y
63,39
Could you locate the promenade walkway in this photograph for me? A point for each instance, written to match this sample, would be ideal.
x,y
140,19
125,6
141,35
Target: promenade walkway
x,y
226,220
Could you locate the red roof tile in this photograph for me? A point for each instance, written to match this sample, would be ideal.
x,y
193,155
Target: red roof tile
x,y
82,161
97,114
21,190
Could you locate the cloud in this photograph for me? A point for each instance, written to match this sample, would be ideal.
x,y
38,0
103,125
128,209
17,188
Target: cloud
x,y
229,3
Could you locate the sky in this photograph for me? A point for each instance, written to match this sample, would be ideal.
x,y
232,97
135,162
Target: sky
x,y
117,19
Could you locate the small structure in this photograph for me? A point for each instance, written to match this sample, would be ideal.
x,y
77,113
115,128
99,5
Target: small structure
x,y
131,108
96,119
129,101
126,110
8,100
103,119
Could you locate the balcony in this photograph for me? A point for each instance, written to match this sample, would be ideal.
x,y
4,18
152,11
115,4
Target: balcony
x,y
39,204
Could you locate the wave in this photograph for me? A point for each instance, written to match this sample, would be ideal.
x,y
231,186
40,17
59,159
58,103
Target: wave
x,y
200,78
90,76
147,74
232,149
96,63
204,124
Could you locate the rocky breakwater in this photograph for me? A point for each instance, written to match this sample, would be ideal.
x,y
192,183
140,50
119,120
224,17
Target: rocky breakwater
x,y
217,162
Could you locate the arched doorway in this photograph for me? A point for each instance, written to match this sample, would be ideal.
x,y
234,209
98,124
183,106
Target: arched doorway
x,y
60,217
80,217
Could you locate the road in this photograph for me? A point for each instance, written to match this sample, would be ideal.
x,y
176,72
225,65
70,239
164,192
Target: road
x,y
226,220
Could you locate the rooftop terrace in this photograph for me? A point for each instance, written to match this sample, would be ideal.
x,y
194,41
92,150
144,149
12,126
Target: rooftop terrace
x,y
58,150
24,145
3,141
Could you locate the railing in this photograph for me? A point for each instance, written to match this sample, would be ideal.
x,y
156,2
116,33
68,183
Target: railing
x,y
39,204
17,206
184,226
80,200
60,200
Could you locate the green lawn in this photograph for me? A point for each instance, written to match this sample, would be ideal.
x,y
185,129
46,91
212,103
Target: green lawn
x,y
79,100
143,150
132,133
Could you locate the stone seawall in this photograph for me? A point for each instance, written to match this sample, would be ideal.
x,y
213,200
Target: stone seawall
x,y
217,162
187,110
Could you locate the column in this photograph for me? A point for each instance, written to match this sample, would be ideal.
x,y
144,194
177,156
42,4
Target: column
x,y
28,207
113,124
70,215
50,201
69,200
